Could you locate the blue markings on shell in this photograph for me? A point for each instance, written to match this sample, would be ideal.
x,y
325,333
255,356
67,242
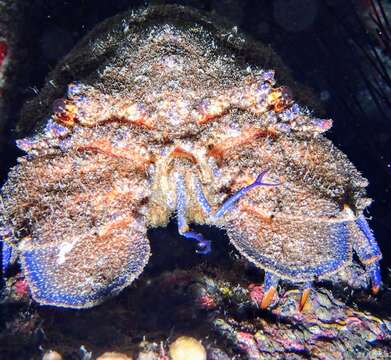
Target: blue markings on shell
x,y
47,289
54,129
7,250
25,144
340,234
271,280
268,76
374,273
74,89
6,255
373,248
53,135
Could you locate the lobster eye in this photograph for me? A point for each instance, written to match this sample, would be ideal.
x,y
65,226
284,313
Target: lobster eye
x,y
58,105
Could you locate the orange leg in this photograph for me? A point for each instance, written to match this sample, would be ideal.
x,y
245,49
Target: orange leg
x,y
305,295
270,288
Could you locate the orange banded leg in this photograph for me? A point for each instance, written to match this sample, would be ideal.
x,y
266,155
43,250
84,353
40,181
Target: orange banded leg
x,y
305,295
374,273
270,288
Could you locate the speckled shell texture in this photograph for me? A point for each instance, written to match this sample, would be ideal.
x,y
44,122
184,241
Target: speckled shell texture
x,y
155,93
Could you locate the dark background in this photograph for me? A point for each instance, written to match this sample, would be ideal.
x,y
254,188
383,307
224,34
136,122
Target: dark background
x,y
328,46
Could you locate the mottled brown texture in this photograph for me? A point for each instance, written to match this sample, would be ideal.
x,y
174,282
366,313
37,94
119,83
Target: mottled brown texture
x,y
160,96
111,40
83,211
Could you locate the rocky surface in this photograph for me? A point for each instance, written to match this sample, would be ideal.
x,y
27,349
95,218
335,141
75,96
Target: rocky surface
x,y
214,302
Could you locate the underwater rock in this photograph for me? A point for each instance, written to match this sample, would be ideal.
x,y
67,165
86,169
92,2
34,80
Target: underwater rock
x,y
217,354
324,326
187,348
166,306
113,356
52,355
148,355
